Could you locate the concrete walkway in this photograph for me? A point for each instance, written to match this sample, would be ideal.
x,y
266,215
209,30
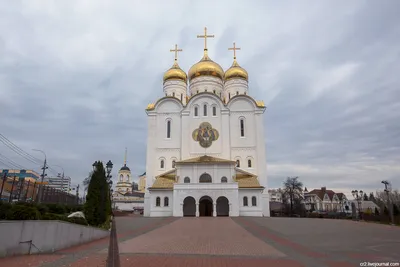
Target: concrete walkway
x,y
243,241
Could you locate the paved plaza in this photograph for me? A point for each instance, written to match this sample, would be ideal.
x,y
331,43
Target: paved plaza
x,y
241,241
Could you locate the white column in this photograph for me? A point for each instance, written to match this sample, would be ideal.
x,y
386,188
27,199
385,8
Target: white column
x,y
214,209
197,210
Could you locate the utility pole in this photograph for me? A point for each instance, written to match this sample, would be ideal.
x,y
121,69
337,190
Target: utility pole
x,y
42,180
390,206
77,194
2,184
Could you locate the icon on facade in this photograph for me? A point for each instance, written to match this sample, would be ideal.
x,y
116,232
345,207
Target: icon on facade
x,y
205,134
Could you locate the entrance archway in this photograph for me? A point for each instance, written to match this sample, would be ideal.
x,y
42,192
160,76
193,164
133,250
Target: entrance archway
x,y
189,207
222,206
206,206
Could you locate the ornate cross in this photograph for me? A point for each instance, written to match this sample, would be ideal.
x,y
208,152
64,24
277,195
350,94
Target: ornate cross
x,y
234,48
205,36
176,50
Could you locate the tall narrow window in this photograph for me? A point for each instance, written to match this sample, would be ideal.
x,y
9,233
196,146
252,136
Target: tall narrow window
x,y
196,111
242,127
249,163
162,164
229,94
214,111
220,94
205,110
181,97
166,201
237,92
238,163
254,201
173,94
173,164
245,202
214,91
158,201
168,129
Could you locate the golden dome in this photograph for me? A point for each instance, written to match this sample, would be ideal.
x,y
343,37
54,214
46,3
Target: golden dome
x,y
175,73
206,67
235,71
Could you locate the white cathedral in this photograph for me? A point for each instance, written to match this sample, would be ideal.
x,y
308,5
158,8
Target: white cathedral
x,y
206,144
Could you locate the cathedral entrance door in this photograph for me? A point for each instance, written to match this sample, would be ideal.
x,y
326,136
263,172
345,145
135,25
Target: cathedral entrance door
x,y
222,206
206,206
189,207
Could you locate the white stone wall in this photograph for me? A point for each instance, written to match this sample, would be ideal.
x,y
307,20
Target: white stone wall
x,y
250,210
177,89
234,87
206,84
162,210
216,171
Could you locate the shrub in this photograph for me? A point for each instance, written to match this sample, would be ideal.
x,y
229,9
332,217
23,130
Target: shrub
x,y
4,209
20,212
57,208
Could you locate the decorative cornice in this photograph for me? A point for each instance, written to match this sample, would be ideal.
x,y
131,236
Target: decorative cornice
x,y
168,149
243,148
247,112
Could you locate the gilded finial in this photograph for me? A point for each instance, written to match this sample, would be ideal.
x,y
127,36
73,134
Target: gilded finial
x,y
126,152
176,50
234,48
205,36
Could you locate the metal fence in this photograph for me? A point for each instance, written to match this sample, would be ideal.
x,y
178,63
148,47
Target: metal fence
x,y
13,189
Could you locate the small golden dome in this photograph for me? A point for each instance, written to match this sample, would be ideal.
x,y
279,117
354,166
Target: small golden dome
x,y
235,71
206,67
175,73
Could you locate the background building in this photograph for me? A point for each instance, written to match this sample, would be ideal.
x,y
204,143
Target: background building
x,y
59,182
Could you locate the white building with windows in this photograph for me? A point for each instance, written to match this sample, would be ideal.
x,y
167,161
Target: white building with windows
x,y
206,144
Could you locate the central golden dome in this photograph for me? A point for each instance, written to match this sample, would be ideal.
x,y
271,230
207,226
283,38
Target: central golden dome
x,y
206,67
175,73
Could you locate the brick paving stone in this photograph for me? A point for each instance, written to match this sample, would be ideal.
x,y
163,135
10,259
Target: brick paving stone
x,y
211,236
181,261
93,260
28,260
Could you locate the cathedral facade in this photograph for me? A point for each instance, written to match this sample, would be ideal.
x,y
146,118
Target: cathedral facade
x,y
206,146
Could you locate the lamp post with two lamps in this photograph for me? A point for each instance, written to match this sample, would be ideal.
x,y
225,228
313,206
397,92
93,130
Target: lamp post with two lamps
x,y
358,196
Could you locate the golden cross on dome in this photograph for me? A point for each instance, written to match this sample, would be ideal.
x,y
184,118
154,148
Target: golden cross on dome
x,y
176,50
234,48
205,36
126,152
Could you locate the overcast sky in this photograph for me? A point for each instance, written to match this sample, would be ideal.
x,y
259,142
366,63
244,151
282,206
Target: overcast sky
x,y
76,76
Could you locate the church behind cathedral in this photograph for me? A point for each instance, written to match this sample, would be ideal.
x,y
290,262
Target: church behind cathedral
x,y
206,147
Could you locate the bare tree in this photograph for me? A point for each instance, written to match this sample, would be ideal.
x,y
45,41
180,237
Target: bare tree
x,y
293,188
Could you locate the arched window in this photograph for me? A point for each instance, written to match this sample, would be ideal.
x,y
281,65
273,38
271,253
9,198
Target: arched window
x,y
249,163
173,94
197,91
168,129
127,177
238,163
237,92
181,97
166,201
205,110
186,180
224,180
121,177
229,94
173,164
214,111
245,202
242,127
214,91
162,164
254,201
205,178
245,93
158,202
196,111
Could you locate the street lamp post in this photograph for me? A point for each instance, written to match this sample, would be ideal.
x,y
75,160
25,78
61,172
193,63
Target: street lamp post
x,y
109,167
358,195
43,174
390,206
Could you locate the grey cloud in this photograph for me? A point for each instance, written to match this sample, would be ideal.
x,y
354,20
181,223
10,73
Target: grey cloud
x,y
76,86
